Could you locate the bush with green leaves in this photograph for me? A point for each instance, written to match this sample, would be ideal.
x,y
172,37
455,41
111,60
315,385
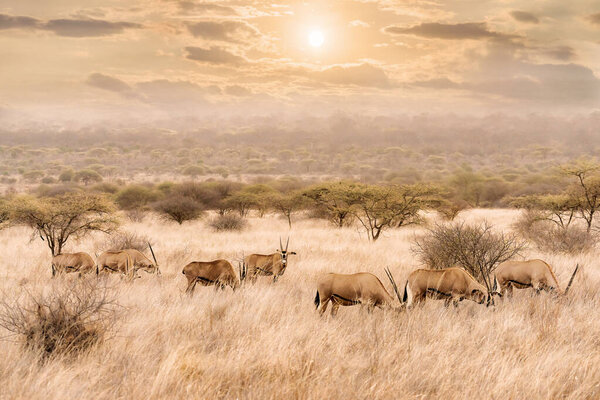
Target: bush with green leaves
x,y
179,208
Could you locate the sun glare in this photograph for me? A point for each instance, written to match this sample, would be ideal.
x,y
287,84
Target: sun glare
x,y
316,38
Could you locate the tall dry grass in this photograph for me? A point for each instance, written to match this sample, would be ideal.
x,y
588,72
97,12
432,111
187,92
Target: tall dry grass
x,y
267,342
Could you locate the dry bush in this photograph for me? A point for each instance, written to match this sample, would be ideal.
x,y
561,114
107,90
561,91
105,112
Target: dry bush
x,y
477,248
126,240
550,237
227,222
136,215
179,209
66,320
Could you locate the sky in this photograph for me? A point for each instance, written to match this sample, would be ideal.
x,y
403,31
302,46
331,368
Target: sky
x,y
158,58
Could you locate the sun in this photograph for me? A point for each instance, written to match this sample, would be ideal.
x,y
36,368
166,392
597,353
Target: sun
x,y
316,38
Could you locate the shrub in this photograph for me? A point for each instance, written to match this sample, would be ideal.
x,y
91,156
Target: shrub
x,y
135,197
193,170
87,176
179,209
476,248
227,222
66,320
546,235
126,240
66,176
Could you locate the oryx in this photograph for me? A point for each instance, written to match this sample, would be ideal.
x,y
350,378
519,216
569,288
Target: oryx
x,y
141,262
72,262
269,265
218,272
351,289
450,284
115,261
536,274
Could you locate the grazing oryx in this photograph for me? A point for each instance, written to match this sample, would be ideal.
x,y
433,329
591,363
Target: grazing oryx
x,y
218,272
141,262
350,289
115,261
72,262
536,274
450,284
271,264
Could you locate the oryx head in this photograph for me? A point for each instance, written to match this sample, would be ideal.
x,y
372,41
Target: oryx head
x,y
492,293
284,253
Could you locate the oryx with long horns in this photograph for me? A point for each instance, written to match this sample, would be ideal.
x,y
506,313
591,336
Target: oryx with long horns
x,y
536,274
350,289
449,284
141,262
270,264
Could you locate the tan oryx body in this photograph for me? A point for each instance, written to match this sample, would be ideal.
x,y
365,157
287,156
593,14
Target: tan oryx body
x,y
72,262
268,264
449,284
115,261
536,274
141,262
351,289
217,272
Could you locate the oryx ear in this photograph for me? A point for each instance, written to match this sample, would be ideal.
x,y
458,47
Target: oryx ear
x,y
292,252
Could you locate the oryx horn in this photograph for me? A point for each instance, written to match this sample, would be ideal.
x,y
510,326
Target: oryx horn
x,y
280,244
571,280
287,243
393,282
153,256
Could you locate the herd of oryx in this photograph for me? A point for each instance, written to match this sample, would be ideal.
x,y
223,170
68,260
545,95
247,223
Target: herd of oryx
x,y
452,284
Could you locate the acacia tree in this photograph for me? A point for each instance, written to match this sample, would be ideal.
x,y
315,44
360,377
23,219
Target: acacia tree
x,y
286,204
382,207
561,209
179,209
335,199
87,176
586,188
57,219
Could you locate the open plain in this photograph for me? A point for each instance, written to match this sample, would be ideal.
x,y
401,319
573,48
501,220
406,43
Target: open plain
x,y
267,341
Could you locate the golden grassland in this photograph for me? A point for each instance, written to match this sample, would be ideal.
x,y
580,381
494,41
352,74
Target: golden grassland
x,y
267,341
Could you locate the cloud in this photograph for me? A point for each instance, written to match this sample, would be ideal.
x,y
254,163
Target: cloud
x,y
358,23
365,74
563,53
462,31
438,83
206,8
238,91
18,22
594,18
227,31
524,16
106,82
85,27
214,55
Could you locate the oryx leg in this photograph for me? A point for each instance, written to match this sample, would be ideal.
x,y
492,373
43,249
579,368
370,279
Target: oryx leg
x,y
508,288
324,304
191,285
334,308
